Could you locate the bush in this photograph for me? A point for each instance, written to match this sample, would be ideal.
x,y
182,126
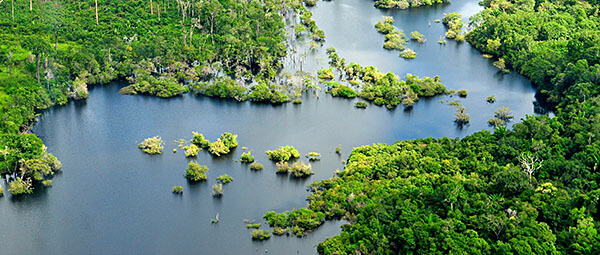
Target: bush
x,y
260,234
360,104
462,93
195,172
310,2
191,150
313,156
284,153
282,167
299,169
325,74
20,186
415,35
152,145
218,148
408,54
504,113
247,157
256,166
217,190
47,183
279,231
491,99
254,226
338,90
178,189
224,179
461,117
199,140
229,139
496,122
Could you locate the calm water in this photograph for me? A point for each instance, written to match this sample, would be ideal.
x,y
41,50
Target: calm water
x,y
113,199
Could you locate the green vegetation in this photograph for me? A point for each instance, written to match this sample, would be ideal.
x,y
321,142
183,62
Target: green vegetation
x,y
47,183
394,38
223,144
338,90
260,234
1,191
361,104
224,179
491,99
325,74
178,189
200,141
26,160
454,23
501,117
461,117
284,153
191,150
301,221
338,149
152,145
313,156
415,35
195,172
254,226
462,93
247,157
256,166
408,54
282,167
300,169
385,89
217,190
268,93
405,4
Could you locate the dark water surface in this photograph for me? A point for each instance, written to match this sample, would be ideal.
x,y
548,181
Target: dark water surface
x,y
112,199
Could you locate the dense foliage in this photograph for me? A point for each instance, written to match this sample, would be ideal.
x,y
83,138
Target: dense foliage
x,y
283,153
530,190
152,145
405,4
195,172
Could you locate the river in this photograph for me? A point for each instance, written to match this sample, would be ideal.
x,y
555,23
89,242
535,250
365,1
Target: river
x,y
111,198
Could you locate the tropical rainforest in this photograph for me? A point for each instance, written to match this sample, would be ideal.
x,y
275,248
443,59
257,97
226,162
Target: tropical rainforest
x,y
529,189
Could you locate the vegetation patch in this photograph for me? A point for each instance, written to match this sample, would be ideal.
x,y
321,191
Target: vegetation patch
x,y
152,145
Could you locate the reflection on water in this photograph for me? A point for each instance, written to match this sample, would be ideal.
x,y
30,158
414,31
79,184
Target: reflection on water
x,y
114,199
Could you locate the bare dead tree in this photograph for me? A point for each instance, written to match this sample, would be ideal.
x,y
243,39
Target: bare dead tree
x,y
96,2
530,163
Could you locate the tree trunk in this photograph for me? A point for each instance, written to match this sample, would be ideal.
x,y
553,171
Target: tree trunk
x,y
56,41
158,9
30,5
151,8
12,3
96,1
37,75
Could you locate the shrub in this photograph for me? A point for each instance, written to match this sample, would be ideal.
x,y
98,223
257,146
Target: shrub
x,y
415,35
279,231
20,186
338,149
338,90
191,150
218,148
284,153
247,157
312,156
195,172
491,99
462,93
229,139
199,140
224,179
496,122
47,183
254,226
408,54
260,234
1,191
310,2
504,113
152,145
299,169
256,166
297,101
360,104
325,74
217,190
282,167
461,117
178,189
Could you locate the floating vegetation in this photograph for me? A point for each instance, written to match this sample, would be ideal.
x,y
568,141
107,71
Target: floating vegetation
x,y
247,157
152,145
256,166
178,189
284,153
224,179
195,172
